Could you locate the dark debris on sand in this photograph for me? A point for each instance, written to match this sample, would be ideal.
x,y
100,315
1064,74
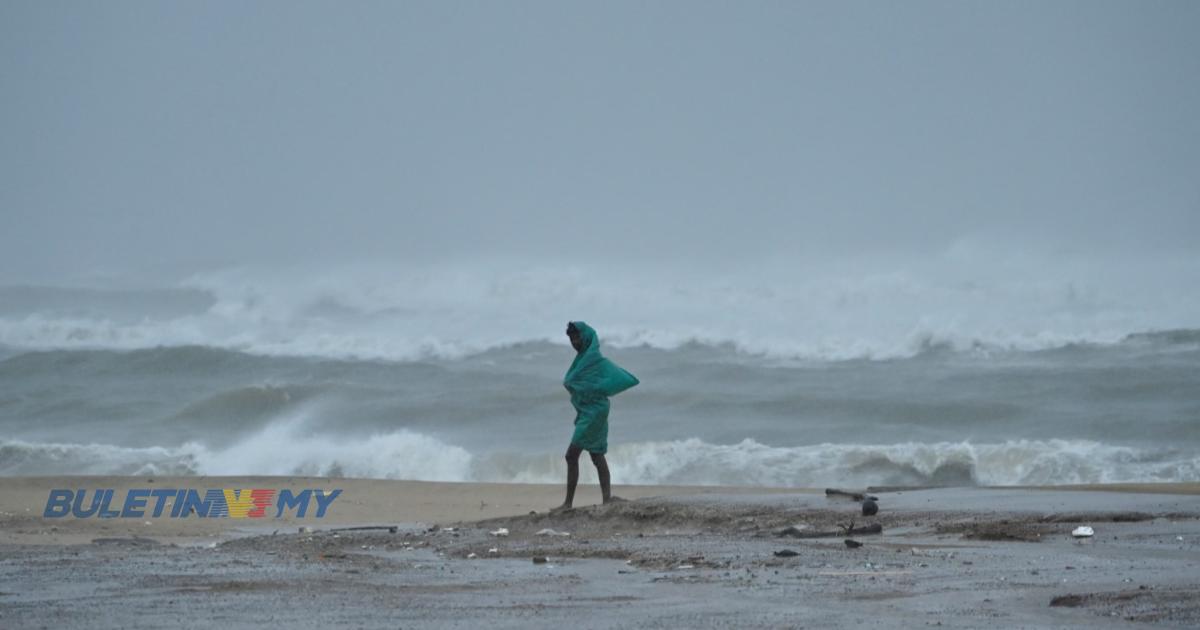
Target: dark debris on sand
x,y
1001,531
680,563
652,515
1177,606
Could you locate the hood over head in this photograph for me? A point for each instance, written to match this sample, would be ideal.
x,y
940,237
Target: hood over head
x,y
591,372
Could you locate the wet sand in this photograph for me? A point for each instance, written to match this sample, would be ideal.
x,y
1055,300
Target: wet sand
x,y
674,557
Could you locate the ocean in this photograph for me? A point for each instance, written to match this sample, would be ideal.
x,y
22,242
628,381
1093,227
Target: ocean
x,y
801,377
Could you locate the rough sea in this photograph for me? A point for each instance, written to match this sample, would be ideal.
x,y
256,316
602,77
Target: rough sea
x,y
797,377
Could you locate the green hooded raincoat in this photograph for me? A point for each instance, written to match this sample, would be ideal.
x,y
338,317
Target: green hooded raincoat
x,y
591,379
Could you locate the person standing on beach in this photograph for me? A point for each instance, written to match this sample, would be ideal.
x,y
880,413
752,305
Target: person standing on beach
x,y
590,380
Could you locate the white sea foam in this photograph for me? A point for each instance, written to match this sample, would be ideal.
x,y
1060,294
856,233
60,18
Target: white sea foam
x,y
22,458
285,448
1022,462
288,448
1019,462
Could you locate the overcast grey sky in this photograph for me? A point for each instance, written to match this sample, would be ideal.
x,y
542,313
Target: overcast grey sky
x,y
203,134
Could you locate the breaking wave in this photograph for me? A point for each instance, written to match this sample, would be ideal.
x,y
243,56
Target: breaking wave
x,y
277,450
1023,462
285,449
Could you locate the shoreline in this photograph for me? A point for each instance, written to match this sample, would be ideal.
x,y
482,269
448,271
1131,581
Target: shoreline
x,y
361,502
365,502
672,556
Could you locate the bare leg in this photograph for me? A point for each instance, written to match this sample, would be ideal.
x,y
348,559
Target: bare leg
x,y
572,457
602,472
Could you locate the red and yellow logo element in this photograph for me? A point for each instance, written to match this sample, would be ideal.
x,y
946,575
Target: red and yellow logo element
x,y
248,503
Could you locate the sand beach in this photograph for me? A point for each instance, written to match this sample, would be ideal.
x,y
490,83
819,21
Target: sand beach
x,y
463,554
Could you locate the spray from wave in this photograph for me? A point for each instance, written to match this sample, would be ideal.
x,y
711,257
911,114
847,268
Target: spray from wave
x,y
962,300
280,448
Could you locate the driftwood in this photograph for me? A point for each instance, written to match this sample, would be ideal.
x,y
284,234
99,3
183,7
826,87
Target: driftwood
x,y
856,496
866,573
850,530
392,529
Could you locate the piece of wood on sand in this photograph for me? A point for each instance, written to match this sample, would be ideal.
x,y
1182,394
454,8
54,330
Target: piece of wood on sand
x,y
796,532
855,496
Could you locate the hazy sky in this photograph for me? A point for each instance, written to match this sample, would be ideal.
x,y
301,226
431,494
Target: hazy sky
x,y
204,134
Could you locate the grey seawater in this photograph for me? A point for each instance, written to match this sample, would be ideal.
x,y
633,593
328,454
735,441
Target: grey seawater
x,y
1128,411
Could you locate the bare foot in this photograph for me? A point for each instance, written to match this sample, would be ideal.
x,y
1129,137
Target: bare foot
x,y
615,500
